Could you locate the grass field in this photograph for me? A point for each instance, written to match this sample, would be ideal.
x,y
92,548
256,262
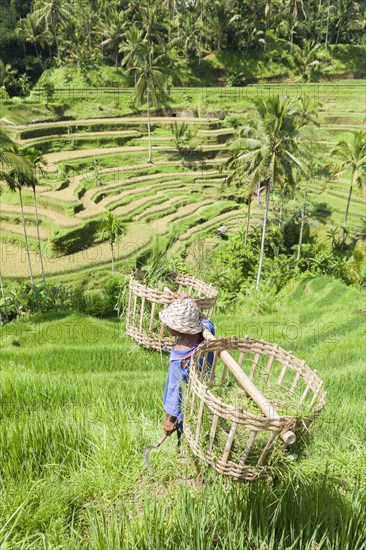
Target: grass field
x,y
80,402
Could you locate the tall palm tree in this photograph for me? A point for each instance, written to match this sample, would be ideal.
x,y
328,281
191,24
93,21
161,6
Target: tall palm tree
x,y
2,292
308,120
113,30
38,164
302,225
346,15
130,47
222,19
238,174
110,227
150,79
15,181
14,169
352,156
294,8
151,21
268,149
190,34
31,31
53,14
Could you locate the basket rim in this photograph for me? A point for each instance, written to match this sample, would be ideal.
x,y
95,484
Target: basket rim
x,y
228,343
211,291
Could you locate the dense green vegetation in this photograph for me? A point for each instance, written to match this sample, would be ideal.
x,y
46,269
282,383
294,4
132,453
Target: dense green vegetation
x,y
83,184
80,402
232,43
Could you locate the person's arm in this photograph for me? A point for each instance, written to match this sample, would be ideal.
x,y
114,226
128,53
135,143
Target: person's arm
x,y
208,324
173,397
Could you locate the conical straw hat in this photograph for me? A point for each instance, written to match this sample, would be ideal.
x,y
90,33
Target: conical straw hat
x,y
182,315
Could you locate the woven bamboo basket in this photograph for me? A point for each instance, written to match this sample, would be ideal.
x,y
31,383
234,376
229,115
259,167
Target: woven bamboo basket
x,y
144,303
224,426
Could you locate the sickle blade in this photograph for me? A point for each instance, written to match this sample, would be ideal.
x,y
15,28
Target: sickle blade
x,y
149,448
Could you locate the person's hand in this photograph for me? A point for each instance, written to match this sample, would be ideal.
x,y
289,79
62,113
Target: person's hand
x,y
170,424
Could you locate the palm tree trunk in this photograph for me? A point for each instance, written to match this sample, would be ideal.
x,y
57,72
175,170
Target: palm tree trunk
x,y
338,33
319,22
112,251
301,231
186,44
266,15
56,40
258,193
170,19
89,25
38,235
3,297
148,123
292,34
281,214
248,220
263,236
327,29
35,47
219,40
26,238
346,213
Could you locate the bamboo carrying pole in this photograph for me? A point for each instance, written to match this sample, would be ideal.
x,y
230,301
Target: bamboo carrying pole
x,y
265,406
268,410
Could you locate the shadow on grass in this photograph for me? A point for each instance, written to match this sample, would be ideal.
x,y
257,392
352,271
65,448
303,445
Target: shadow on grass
x,y
322,212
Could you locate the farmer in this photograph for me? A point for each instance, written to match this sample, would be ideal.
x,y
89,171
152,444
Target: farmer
x,y
184,320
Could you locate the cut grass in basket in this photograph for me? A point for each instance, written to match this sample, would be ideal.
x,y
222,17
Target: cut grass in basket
x,y
214,449
158,264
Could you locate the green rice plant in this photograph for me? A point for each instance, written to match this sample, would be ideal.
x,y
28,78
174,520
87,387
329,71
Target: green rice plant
x,y
80,402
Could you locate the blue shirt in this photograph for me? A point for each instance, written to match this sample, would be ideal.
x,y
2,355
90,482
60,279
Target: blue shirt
x,y
177,374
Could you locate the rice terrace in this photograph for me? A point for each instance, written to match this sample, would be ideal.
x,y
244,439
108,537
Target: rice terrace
x,y
182,206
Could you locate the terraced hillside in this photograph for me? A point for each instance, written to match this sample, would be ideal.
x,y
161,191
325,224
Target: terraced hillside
x,y
100,164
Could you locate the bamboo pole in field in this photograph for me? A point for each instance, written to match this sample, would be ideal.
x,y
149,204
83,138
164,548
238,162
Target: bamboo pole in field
x,y
268,410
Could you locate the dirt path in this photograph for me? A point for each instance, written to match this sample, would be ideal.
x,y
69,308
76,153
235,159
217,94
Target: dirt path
x,y
137,191
161,225
117,133
61,220
117,120
92,209
159,207
68,193
17,229
62,156
14,262
216,222
114,133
